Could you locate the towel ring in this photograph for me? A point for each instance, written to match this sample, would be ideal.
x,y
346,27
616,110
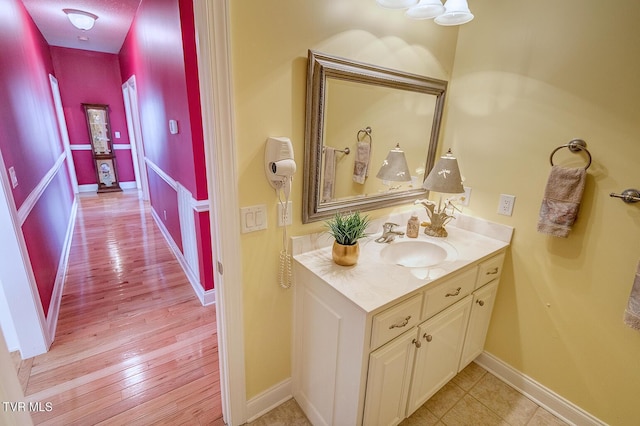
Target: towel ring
x,y
367,133
575,145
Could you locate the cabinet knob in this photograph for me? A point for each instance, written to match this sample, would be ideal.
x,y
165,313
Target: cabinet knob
x,y
480,302
427,337
416,342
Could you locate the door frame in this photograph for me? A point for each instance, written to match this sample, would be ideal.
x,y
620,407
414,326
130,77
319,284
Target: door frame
x,y
132,113
216,91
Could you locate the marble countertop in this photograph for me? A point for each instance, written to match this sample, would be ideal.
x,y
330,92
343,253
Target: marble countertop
x,y
371,283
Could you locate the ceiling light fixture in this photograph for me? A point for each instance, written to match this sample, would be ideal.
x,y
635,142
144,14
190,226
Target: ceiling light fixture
x,y
80,19
454,12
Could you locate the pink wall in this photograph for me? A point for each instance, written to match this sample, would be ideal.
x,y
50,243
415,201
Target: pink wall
x,y
30,141
160,51
92,78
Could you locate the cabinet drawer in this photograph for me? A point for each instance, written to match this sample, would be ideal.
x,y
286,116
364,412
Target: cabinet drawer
x,y
448,292
489,270
396,320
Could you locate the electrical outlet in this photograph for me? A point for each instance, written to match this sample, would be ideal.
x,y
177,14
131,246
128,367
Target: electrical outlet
x,y
466,196
505,205
282,221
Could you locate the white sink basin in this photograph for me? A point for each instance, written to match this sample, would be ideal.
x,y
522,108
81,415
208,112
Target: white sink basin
x,y
418,253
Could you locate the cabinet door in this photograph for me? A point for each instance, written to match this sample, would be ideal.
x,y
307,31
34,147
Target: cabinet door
x,y
388,381
437,359
483,300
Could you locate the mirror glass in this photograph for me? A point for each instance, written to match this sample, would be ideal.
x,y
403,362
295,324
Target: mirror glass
x,y
357,112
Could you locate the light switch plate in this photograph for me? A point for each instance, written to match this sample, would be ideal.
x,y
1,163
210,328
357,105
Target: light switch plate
x,y
253,218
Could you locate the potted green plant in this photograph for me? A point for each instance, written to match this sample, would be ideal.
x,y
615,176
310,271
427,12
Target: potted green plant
x,y
347,229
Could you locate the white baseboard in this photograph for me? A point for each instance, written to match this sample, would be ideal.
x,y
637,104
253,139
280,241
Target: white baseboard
x,y
544,397
129,185
58,286
268,400
205,297
93,187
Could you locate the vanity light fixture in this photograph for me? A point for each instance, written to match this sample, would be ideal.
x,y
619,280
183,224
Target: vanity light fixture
x,y
80,19
394,167
454,12
426,9
397,4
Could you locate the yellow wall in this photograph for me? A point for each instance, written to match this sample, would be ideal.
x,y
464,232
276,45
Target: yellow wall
x,y
528,77
270,39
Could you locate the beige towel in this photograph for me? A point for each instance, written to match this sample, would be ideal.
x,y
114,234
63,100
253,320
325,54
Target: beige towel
x,y
632,313
561,200
329,174
361,163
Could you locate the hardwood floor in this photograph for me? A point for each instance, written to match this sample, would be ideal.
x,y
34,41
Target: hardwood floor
x,y
133,343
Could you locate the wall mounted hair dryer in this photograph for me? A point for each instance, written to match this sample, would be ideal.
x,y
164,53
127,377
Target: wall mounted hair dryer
x,y
279,163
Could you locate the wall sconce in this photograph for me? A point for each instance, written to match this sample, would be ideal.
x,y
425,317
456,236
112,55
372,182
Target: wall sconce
x,y
444,178
394,167
80,19
454,12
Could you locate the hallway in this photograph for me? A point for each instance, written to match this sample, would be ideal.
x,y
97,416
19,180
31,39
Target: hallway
x,y
133,343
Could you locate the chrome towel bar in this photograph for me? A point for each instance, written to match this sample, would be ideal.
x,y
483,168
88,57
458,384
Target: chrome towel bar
x,y
628,195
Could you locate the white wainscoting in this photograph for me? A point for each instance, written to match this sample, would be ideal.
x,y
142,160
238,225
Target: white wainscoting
x,y
58,285
187,205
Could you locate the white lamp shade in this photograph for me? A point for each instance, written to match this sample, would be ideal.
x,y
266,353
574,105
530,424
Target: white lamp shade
x,y
456,13
397,4
80,19
394,167
426,9
445,176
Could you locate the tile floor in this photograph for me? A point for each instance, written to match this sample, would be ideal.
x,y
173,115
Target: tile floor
x,y
474,397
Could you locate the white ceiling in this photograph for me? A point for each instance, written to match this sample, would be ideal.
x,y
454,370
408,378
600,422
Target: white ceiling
x,y
108,34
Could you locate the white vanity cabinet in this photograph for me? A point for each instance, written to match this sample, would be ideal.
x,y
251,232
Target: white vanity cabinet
x,y
353,366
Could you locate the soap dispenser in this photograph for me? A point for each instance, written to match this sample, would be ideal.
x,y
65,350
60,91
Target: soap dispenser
x,y
413,226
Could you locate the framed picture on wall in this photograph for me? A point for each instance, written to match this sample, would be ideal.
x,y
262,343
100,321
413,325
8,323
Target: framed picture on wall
x,y
102,147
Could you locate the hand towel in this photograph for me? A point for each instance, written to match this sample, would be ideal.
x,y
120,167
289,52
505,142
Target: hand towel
x,y
561,201
329,174
361,163
632,313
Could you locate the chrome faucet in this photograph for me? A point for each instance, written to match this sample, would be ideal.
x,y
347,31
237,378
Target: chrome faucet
x,y
388,234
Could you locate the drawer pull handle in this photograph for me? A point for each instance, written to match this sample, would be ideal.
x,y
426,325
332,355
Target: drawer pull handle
x,y
427,337
402,324
457,292
480,302
416,342
493,271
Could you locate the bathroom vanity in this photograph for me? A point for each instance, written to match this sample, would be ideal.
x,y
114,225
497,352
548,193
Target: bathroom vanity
x,y
374,341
